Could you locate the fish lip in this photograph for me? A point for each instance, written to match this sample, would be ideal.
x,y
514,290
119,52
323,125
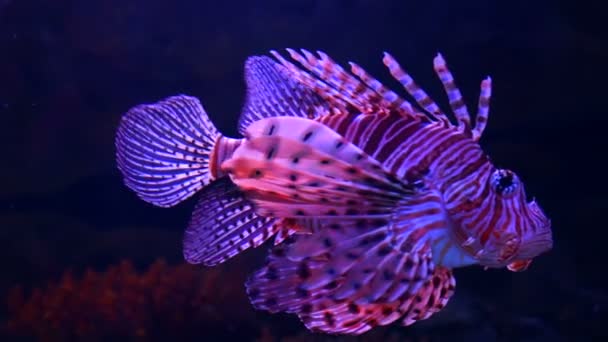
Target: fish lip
x,y
519,265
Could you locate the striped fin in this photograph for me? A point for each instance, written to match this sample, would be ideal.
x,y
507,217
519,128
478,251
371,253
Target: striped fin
x,y
352,89
421,97
271,93
354,319
431,298
337,280
365,93
483,108
163,149
300,167
337,103
457,103
224,224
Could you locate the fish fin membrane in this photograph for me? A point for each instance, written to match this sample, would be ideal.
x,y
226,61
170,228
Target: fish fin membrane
x,y
351,318
297,167
343,279
223,224
163,149
271,93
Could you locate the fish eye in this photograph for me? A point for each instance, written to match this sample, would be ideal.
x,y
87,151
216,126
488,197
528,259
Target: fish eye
x,y
504,182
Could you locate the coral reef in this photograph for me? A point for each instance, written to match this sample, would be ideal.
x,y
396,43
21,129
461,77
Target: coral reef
x,y
164,301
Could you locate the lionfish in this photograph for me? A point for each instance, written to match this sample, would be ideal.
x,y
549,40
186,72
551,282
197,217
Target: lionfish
x,y
373,200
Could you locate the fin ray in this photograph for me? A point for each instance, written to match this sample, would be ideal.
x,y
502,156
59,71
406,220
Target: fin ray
x,y
163,149
271,93
224,223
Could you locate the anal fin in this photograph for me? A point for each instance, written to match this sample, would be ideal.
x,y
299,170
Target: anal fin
x,y
224,223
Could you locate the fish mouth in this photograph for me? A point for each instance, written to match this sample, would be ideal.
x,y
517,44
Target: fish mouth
x,y
519,265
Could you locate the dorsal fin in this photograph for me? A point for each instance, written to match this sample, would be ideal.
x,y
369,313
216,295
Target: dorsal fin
x,y
271,93
332,82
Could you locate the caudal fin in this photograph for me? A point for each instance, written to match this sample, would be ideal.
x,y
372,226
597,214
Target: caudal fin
x,y
163,149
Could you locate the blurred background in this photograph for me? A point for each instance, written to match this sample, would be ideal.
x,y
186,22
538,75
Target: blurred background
x,y
82,258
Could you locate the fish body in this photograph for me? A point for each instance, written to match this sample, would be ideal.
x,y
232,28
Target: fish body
x,y
372,200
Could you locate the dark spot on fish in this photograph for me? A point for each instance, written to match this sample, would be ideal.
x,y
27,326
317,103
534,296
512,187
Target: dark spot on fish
x,y
270,302
341,188
300,213
327,242
373,212
306,308
408,265
270,153
301,292
306,136
325,161
361,224
359,156
384,250
332,212
279,252
351,211
379,222
231,242
323,200
291,186
271,273
443,292
353,308
303,271
352,256
357,286
387,310
388,275
339,144
431,301
314,184
295,160
332,285
329,319
351,202
271,129
418,299
373,322
367,270
335,226
293,177
257,173
416,311
404,280
436,281
331,271
351,170
295,196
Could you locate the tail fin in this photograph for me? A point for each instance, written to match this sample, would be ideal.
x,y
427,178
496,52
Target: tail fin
x,y
164,149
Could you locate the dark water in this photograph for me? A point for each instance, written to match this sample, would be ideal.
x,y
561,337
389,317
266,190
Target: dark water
x,y
70,69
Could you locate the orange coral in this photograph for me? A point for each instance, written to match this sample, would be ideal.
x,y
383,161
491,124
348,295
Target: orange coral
x,y
182,300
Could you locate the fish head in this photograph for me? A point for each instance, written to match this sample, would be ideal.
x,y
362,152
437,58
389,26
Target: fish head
x,y
508,231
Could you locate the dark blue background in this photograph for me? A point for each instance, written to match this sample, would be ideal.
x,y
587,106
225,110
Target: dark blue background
x,y
70,69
